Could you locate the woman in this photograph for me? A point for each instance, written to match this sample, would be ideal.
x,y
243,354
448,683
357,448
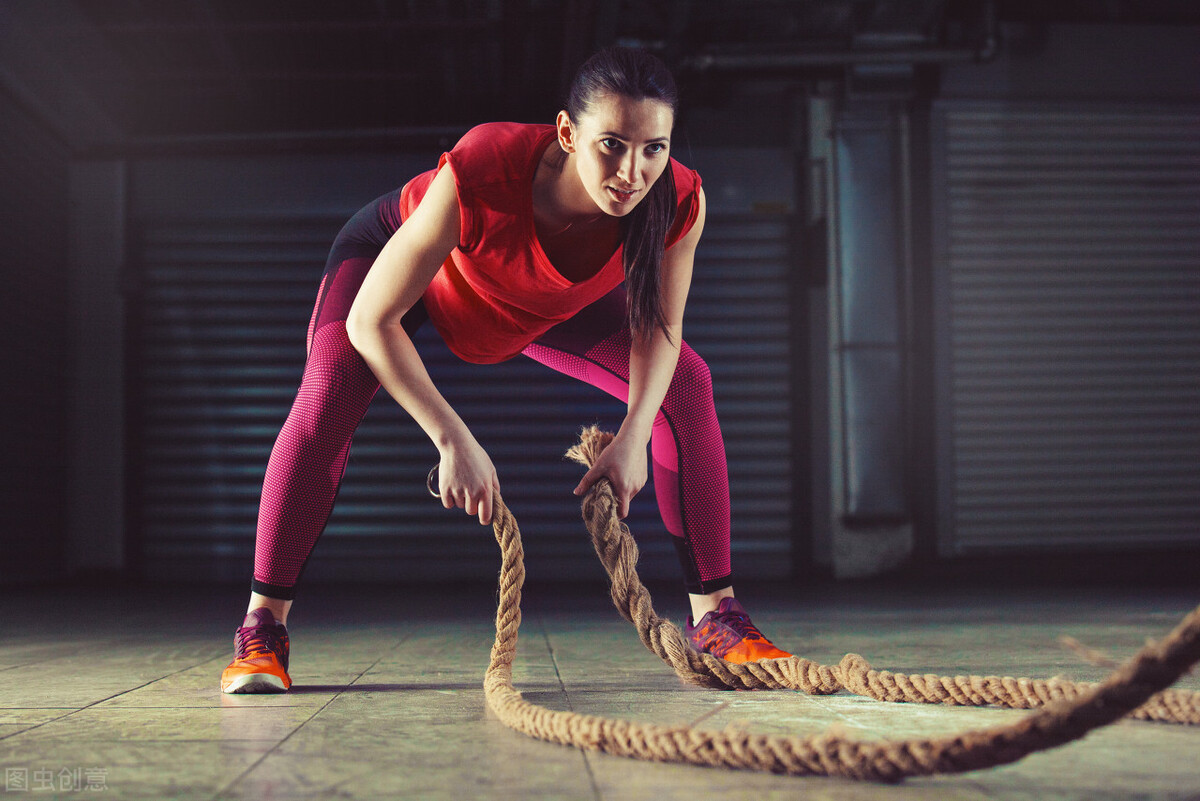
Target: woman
x,y
571,244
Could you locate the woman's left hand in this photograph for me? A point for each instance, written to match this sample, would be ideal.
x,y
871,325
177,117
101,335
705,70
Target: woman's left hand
x,y
623,463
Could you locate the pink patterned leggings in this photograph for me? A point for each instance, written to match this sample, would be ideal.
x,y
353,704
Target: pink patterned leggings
x,y
309,457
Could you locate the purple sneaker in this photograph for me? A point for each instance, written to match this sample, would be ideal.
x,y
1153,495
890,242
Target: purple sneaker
x,y
728,633
260,656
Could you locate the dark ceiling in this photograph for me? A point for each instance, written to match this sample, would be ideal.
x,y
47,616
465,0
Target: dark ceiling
x,y
194,67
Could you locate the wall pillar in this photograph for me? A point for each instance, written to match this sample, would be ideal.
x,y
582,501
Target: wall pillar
x,y
871,523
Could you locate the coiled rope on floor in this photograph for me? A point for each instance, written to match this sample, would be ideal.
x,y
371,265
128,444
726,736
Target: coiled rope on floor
x,y
1066,710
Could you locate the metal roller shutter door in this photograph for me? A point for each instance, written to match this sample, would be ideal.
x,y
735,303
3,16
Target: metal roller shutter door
x,y
219,350
1068,306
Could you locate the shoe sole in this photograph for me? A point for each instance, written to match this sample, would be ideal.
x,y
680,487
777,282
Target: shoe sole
x,y
255,683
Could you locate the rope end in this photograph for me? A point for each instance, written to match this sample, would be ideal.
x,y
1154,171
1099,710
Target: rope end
x,y
592,442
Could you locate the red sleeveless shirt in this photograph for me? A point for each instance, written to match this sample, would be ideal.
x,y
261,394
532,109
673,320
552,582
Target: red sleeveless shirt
x,y
498,291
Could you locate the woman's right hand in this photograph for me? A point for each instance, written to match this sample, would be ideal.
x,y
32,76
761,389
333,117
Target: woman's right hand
x,y
467,479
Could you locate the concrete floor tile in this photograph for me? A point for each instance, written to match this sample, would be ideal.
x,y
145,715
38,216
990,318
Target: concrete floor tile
x,y
479,775
624,780
97,673
388,701
134,770
419,744
166,724
9,729
32,716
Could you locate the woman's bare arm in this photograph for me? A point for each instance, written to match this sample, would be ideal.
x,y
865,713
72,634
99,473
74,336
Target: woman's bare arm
x,y
651,367
397,280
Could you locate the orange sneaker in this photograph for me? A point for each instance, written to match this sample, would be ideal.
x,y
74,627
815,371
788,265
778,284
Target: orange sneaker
x,y
728,633
260,656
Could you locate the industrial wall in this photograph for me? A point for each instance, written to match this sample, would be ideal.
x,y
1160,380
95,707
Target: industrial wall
x,y
955,319
34,361
1065,193
226,254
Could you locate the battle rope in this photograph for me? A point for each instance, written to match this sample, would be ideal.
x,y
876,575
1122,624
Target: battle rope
x,y
1068,710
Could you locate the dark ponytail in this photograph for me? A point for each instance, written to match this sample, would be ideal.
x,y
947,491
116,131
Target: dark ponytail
x,y
638,75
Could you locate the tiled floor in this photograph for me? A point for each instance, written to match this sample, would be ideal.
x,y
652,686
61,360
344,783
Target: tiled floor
x,y
113,694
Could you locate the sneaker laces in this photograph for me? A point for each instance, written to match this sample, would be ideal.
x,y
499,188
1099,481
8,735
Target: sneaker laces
x,y
253,640
742,625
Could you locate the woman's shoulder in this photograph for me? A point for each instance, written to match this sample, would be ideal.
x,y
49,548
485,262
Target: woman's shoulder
x,y
687,195
687,180
497,152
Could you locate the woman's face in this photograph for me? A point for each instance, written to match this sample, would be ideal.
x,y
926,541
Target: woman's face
x,y
621,147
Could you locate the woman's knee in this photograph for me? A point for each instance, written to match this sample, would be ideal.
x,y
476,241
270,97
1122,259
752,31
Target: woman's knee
x,y
335,391
692,377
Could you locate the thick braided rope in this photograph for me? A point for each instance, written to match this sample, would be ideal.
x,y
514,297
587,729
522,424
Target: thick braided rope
x,y
618,553
1154,668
